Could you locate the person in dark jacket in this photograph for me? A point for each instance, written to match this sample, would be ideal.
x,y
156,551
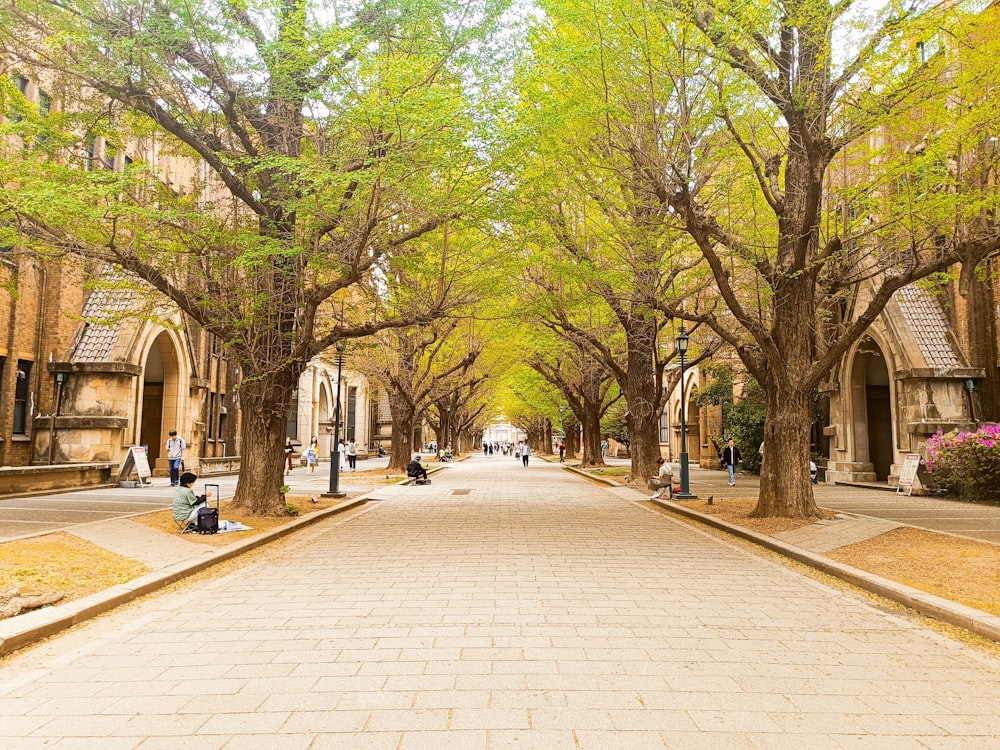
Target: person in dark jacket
x,y
415,470
730,458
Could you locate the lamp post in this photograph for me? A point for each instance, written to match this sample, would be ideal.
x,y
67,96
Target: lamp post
x,y
685,493
335,490
447,428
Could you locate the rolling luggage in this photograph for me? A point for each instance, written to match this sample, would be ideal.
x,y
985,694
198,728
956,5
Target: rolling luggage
x,y
208,521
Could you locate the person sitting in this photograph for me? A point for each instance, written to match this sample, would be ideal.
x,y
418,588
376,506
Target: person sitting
x,y
813,472
663,480
415,470
186,503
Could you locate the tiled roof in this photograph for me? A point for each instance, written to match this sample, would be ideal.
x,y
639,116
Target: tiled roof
x,y
929,326
106,318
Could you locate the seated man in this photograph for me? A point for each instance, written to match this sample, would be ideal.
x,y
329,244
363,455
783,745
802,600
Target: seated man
x,y
415,470
663,480
186,503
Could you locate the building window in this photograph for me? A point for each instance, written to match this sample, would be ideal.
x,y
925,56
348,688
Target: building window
x,y
110,152
89,152
292,430
21,392
16,113
222,418
211,416
352,402
664,427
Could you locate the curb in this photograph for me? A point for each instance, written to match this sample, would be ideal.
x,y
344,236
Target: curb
x,y
598,480
23,630
968,618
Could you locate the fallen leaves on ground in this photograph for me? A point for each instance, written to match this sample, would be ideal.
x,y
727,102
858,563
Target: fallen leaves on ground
x,y
163,520
960,570
63,562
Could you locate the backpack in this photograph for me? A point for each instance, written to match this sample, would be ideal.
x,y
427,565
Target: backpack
x,y
208,521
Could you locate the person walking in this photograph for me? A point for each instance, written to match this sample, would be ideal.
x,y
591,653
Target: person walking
x,y
352,455
562,452
289,450
604,449
175,457
730,458
525,451
312,454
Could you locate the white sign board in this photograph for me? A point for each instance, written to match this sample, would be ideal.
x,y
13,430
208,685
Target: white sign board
x,y
136,460
908,473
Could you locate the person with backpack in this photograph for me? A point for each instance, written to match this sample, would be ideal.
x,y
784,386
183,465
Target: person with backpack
x,y
175,457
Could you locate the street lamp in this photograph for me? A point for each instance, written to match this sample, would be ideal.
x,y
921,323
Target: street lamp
x,y
685,493
335,490
447,428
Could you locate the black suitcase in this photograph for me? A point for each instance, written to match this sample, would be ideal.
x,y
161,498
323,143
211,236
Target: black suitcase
x,y
208,521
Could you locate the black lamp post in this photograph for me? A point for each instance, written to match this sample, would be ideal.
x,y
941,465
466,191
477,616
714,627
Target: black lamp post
x,y
685,493
335,490
447,428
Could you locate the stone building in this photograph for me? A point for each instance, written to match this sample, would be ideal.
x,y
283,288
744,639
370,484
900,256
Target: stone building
x,y
93,361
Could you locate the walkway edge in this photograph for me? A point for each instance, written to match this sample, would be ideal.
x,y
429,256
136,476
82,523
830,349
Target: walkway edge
x,y
974,620
23,630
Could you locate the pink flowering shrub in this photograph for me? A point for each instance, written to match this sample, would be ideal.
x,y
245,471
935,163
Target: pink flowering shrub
x,y
965,463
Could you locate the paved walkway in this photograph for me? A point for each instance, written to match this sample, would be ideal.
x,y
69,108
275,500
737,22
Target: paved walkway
x,y
40,514
502,607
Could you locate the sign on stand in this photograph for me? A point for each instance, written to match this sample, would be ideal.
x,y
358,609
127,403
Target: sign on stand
x,y
136,462
908,474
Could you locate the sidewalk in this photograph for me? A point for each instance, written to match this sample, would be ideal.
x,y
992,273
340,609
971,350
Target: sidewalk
x,y
171,557
38,514
502,607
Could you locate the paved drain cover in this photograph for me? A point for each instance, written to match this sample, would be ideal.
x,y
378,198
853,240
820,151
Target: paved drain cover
x,y
461,492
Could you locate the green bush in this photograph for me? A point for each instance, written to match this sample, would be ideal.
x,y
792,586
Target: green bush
x,y
966,464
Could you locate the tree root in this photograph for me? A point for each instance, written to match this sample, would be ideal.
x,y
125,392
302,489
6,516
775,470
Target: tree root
x,y
13,604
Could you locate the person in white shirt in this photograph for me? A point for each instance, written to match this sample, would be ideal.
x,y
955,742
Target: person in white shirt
x,y
175,457
664,480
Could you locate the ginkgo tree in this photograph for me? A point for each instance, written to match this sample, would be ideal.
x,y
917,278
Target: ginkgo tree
x,y
324,140
749,107
607,252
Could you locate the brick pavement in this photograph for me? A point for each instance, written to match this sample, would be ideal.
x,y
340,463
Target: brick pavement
x,y
536,611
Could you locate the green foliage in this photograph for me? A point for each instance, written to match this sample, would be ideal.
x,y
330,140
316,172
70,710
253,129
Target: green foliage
x,y
746,428
743,421
614,423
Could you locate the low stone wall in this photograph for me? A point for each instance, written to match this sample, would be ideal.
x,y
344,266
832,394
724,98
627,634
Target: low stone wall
x,y
24,480
214,465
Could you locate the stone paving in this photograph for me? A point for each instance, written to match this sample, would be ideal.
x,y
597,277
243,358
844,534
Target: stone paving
x,y
502,607
40,514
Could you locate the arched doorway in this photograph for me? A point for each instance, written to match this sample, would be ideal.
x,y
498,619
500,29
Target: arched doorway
x,y
693,417
873,407
159,401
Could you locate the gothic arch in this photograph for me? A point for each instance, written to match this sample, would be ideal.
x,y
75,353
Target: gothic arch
x,y
161,399
871,419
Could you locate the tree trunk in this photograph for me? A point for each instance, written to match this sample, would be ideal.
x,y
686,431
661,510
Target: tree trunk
x,y
592,455
642,397
264,402
571,437
402,436
785,488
